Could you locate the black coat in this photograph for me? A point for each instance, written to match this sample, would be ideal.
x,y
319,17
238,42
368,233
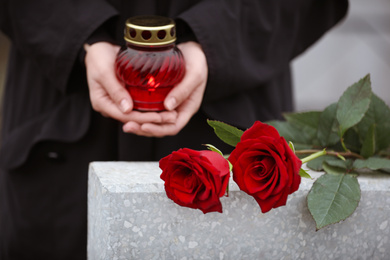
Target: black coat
x,y
248,44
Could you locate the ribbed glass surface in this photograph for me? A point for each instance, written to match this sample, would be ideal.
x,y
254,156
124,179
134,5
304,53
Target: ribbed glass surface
x,y
149,73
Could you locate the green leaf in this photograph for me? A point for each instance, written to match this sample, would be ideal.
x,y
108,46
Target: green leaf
x,y
369,143
304,174
378,114
285,129
292,133
291,145
306,122
338,167
345,165
213,148
352,140
316,164
373,163
230,166
227,133
332,169
353,104
333,198
327,127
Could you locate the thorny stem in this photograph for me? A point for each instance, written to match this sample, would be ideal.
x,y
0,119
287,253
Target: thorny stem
x,y
343,145
344,154
314,156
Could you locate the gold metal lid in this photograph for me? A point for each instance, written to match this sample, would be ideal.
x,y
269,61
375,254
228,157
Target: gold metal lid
x,y
150,30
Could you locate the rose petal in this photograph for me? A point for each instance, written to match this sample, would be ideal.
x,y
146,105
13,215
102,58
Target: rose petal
x,y
205,194
207,207
184,197
259,129
271,202
282,199
255,180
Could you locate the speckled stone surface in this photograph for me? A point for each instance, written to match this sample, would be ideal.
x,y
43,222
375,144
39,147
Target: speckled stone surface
x,y
130,217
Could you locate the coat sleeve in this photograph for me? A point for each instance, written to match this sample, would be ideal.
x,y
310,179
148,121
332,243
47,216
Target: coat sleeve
x,y
51,33
249,42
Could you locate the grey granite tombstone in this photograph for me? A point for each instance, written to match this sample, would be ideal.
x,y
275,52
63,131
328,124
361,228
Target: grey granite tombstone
x,y
130,217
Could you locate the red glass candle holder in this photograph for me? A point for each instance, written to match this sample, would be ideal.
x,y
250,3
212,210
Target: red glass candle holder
x,y
150,65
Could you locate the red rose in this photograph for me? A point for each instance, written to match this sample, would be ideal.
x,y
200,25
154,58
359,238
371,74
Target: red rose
x,y
195,179
265,167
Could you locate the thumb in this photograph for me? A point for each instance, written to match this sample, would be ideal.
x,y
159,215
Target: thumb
x,y
117,92
100,62
178,94
194,78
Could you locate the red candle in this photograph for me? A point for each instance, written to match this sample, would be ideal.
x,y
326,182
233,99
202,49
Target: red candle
x,y
150,65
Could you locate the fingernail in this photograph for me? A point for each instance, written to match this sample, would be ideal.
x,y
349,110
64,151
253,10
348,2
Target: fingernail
x,y
125,105
126,128
171,103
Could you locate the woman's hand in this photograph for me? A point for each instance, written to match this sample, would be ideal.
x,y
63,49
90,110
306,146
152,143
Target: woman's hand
x,y
108,96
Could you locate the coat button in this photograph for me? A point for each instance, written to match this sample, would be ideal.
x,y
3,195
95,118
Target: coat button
x,y
54,156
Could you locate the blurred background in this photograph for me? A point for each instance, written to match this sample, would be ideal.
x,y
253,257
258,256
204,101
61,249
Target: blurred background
x,y
358,46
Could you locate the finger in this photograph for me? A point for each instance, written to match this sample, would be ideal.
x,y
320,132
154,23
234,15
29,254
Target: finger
x,y
100,64
196,75
117,92
131,127
100,100
186,110
105,85
180,92
161,130
152,117
135,119
108,108
135,128
185,113
168,116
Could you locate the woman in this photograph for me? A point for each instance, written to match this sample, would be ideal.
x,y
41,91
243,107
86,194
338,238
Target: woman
x,y
64,107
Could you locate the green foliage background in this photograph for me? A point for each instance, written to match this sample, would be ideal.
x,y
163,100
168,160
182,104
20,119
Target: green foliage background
x,y
355,132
